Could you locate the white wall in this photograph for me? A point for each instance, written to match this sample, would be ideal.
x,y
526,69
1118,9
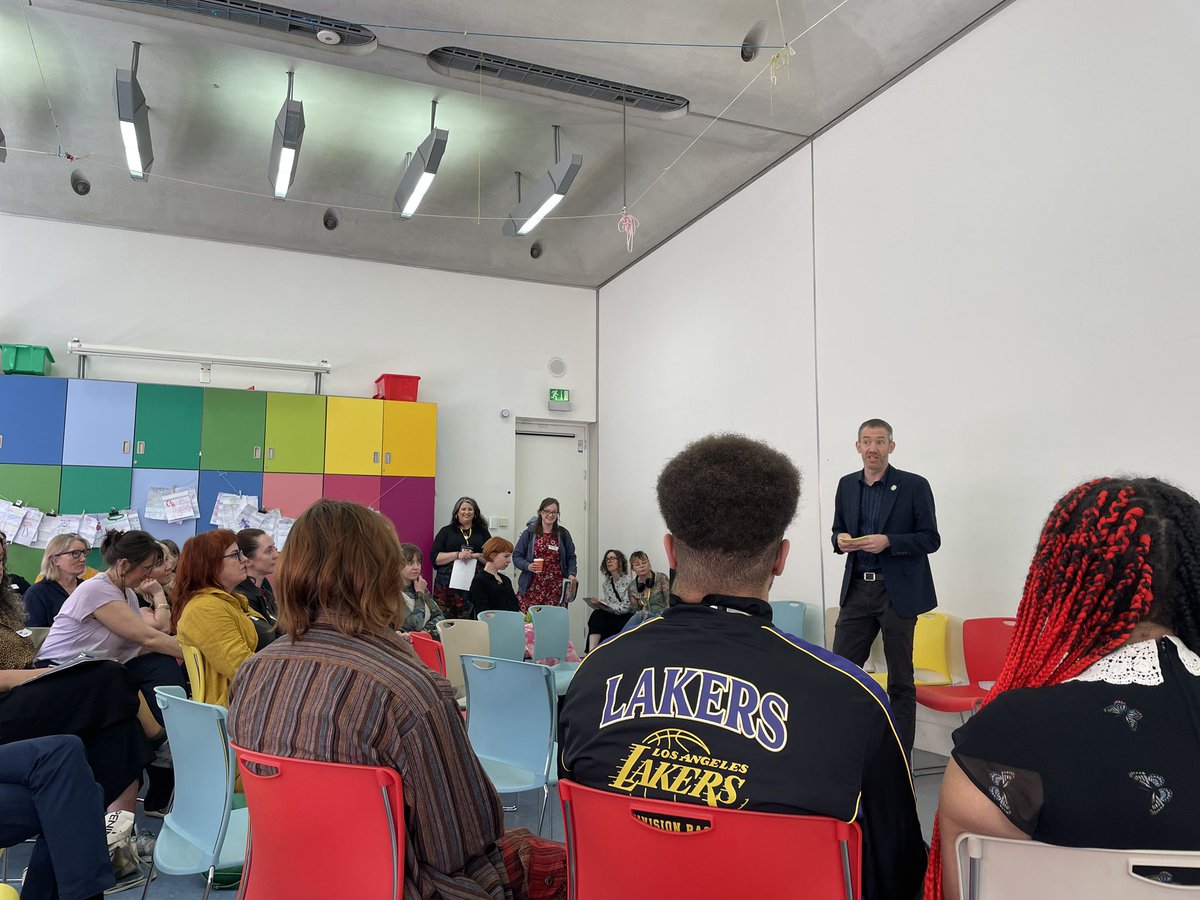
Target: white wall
x,y
1005,270
479,344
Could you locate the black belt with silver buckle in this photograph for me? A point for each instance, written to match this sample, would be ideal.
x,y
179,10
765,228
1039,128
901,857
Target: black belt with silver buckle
x,y
871,576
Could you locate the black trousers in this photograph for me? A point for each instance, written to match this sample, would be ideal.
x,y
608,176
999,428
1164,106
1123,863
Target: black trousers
x,y
865,612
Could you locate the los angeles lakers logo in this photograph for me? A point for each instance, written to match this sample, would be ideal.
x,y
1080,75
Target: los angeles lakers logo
x,y
674,764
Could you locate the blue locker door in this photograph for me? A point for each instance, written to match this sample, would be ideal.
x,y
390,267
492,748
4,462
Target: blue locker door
x,y
32,412
99,428
176,479
213,483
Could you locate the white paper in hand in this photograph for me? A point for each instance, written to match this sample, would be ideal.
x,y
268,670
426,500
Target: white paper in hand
x,y
462,574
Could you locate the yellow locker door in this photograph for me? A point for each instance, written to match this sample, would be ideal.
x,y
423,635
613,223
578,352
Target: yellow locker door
x,y
353,436
409,438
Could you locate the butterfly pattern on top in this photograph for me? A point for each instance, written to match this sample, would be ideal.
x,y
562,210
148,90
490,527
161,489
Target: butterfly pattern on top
x,y
1000,781
1121,708
1160,794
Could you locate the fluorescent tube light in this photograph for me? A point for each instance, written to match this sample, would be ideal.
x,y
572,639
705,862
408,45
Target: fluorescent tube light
x,y
285,144
419,175
546,195
533,221
134,118
283,178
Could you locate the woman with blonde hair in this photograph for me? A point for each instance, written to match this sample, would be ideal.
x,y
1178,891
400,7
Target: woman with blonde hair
x,y
63,565
341,686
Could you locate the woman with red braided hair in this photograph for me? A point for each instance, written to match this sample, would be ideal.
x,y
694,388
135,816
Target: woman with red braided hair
x,y
1091,735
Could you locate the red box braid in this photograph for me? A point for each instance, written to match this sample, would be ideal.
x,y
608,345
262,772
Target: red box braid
x,y
1092,581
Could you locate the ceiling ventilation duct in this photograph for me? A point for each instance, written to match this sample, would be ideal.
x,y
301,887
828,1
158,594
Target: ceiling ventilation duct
x,y
293,23
503,68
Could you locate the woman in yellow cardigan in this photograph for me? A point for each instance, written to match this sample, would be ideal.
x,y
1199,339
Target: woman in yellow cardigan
x,y
208,615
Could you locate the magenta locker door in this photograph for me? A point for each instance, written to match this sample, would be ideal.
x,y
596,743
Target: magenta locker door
x,y
408,501
362,489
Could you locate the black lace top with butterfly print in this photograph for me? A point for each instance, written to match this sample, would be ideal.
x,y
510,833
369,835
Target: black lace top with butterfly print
x,y
1095,763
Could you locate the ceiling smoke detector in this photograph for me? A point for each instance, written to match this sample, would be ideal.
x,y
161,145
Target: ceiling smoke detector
x,y
329,36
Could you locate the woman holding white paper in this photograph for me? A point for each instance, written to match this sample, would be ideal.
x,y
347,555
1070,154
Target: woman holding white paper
x,y
462,539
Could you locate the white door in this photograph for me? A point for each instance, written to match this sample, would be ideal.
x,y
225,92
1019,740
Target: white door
x,y
552,462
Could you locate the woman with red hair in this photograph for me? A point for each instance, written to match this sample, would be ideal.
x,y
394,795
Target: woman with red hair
x,y
1090,736
208,615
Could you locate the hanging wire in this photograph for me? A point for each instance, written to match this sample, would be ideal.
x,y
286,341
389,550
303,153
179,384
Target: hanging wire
x,y
627,224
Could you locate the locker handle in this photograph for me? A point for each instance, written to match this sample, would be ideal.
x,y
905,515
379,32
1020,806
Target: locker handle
x,y
1,440
375,456
258,452
125,446
387,458
270,453
141,447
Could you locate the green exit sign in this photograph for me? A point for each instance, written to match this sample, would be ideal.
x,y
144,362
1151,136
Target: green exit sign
x,y
560,395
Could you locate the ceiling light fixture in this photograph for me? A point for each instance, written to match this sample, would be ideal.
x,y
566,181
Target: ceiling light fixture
x,y
421,166
285,146
134,117
546,195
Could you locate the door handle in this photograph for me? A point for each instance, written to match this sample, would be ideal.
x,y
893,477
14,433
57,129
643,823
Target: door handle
x,y
258,452
387,458
141,447
375,456
270,453
124,446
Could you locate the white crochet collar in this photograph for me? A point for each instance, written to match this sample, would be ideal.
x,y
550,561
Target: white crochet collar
x,y
1137,664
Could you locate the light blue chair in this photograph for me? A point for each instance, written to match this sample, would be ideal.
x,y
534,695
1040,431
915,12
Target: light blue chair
x,y
512,721
506,633
551,625
788,616
202,832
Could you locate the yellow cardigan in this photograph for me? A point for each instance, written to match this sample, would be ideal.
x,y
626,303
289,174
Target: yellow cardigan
x,y
218,625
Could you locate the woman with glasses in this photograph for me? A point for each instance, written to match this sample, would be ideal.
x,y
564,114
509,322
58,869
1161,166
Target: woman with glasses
x,y
62,569
545,554
612,609
209,615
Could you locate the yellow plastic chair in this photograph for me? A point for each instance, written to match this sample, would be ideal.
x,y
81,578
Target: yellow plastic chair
x,y
8,892
461,636
931,658
193,659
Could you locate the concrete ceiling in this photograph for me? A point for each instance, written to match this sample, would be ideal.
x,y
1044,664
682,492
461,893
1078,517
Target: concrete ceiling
x,y
214,91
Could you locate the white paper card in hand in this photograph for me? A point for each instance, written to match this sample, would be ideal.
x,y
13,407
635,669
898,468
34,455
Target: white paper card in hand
x,y
462,574
26,535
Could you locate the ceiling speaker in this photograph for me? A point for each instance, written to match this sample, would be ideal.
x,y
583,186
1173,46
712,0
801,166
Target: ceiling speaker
x,y
557,367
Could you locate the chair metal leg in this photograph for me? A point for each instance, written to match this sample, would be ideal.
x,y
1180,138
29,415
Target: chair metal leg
x,y
149,878
545,800
212,871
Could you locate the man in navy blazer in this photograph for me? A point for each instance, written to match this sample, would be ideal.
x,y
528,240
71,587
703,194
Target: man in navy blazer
x,y
884,522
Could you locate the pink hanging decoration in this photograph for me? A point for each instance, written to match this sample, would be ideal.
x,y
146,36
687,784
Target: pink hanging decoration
x,y
627,224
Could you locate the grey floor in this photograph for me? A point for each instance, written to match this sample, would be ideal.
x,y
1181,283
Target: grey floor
x,y
168,887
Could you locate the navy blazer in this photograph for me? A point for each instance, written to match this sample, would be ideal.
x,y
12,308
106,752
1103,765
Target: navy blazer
x,y
908,519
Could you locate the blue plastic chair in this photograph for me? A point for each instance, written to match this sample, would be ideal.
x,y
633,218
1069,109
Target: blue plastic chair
x,y
512,720
788,616
551,626
506,633
202,832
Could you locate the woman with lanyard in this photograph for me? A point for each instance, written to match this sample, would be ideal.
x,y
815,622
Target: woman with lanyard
x,y
651,590
462,539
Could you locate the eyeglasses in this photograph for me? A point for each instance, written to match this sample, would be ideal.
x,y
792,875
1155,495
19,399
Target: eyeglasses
x,y
610,559
236,554
547,512
74,554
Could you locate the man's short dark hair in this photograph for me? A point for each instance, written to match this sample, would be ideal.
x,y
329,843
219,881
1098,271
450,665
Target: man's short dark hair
x,y
875,423
727,500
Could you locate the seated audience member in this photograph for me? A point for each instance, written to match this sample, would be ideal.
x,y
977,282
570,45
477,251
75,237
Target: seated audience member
x,y
1091,734
259,549
651,590
421,612
63,563
47,792
492,589
341,686
11,579
209,615
776,725
152,592
613,608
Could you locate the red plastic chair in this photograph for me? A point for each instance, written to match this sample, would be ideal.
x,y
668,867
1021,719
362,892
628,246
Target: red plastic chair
x,y
614,851
299,807
430,650
985,645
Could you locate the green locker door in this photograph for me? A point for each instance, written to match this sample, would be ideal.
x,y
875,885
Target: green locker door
x,y
167,428
234,428
38,487
95,490
295,433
